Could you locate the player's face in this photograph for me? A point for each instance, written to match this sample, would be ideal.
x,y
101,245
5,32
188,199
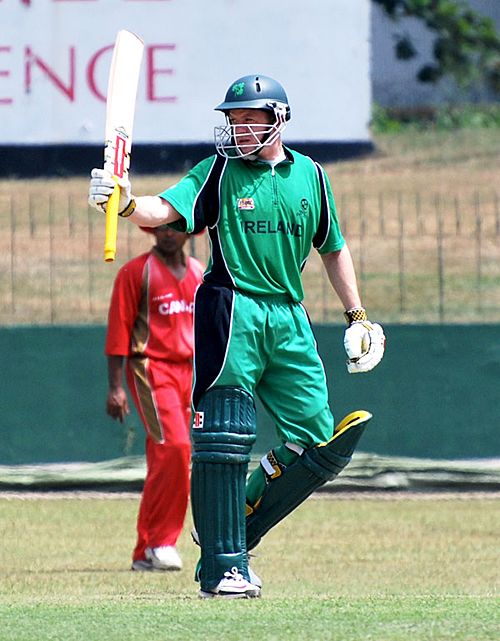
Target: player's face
x,y
169,241
250,128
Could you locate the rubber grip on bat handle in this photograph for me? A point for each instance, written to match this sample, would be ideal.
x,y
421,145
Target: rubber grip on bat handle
x,y
111,225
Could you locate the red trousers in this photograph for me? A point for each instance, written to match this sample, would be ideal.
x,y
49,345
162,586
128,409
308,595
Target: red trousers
x,y
162,396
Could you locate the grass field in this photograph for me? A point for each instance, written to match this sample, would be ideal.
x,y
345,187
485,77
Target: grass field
x,y
346,568
421,214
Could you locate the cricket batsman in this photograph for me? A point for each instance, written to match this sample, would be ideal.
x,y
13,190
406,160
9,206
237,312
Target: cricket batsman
x,y
265,207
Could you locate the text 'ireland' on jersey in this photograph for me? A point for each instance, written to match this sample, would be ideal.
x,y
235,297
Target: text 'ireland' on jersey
x,y
262,222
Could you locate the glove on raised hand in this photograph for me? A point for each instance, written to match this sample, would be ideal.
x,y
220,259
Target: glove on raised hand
x,y
364,342
101,187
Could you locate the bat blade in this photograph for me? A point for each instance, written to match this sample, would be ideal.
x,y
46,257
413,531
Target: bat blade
x,y
120,108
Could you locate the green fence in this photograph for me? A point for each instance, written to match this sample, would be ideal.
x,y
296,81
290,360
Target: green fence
x,y
435,395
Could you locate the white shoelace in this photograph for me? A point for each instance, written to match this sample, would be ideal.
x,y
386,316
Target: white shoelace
x,y
234,574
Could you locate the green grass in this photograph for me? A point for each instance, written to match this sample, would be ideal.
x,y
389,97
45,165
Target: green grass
x,y
341,570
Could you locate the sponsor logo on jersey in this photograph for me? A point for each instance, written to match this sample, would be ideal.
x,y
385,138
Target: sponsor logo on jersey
x,y
169,295
269,227
246,203
198,420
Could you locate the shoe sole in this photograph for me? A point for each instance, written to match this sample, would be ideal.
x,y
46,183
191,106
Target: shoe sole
x,y
202,594
142,566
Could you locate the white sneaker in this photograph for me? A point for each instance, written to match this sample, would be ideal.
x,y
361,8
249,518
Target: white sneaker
x,y
142,565
232,586
254,578
164,557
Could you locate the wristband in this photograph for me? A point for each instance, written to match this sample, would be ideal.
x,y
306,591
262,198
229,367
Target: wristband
x,y
129,209
355,314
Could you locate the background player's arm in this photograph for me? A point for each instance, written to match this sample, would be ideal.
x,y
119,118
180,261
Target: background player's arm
x,y
116,403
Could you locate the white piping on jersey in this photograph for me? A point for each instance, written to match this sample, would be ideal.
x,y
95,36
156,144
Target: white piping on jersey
x,y
214,226
209,173
321,178
323,187
221,253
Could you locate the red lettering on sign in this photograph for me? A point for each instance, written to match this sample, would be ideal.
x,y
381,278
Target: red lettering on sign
x,y
32,60
91,73
38,73
5,74
152,71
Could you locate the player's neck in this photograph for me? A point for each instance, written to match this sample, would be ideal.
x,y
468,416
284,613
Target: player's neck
x,y
175,260
272,152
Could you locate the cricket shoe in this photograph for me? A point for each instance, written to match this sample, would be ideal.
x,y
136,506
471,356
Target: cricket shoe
x,y
164,557
142,565
254,578
232,586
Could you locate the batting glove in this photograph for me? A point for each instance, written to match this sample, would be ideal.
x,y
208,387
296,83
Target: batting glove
x,y
101,187
364,342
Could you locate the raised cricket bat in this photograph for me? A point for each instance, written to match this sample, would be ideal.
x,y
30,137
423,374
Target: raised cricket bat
x,y
120,107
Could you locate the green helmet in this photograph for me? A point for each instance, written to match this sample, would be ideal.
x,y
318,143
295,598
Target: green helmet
x,y
256,92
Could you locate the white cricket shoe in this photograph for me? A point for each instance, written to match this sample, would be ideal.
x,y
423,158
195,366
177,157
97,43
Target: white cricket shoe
x,y
142,565
232,586
254,578
164,557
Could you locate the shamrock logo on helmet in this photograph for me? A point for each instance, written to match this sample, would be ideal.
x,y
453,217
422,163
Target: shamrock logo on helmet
x,y
238,88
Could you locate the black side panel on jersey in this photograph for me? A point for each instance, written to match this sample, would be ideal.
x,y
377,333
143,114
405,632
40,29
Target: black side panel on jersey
x,y
212,325
324,218
206,206
219,273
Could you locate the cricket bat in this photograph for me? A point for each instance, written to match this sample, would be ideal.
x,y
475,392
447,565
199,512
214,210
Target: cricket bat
x,y
120,108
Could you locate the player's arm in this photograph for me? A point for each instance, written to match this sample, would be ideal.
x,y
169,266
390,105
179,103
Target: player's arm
x,y
122,313
340,269
364,341
145,211
116,402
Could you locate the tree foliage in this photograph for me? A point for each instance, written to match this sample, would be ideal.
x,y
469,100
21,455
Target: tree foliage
x,y
466,45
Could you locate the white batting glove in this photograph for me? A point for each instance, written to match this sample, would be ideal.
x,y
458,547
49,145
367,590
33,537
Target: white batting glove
x,y
364,344
101,187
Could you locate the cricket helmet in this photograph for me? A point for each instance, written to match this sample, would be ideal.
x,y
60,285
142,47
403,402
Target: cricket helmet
x,y
256,92
252,92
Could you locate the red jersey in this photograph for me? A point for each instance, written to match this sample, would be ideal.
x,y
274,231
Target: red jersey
x,y
151,311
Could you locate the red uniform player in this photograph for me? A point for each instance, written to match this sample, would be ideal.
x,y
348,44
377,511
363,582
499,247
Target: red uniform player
x,y
150,326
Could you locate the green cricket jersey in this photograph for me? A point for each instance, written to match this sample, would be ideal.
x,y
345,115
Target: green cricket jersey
x,y
262,222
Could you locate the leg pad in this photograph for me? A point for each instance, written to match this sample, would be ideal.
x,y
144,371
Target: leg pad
x,y
311,470
221,452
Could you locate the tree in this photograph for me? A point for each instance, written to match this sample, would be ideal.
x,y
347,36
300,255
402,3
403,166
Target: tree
x,y
466,46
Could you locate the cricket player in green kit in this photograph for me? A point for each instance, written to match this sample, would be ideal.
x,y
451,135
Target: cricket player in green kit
x,y
265,207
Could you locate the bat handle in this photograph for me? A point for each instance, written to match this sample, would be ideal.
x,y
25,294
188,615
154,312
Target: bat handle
x,y
111,225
